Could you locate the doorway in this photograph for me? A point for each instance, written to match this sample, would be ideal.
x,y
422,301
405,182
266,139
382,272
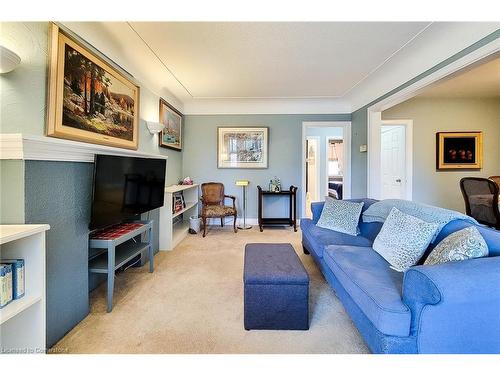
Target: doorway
x,y
393,161
393,151
326,162
312,172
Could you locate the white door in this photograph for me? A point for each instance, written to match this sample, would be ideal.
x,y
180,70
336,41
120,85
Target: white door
x,y
393,162
312,172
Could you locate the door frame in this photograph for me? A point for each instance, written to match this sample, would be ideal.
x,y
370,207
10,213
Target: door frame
x,y
408,125
318,164
374,110
346,133
328,139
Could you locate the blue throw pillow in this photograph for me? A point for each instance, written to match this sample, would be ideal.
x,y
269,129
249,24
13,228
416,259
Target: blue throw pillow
x,y
341,216
403,239
464,244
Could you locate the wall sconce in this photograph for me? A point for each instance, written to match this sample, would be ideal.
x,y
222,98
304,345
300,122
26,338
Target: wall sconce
x,y
9,60
154,127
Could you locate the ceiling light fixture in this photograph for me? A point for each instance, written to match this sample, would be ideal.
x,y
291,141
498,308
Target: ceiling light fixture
x,y
9,60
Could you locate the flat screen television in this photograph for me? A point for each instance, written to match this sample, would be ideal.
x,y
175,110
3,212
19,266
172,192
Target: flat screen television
x,y
125,187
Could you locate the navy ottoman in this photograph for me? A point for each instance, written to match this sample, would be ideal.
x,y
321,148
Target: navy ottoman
x,y
276,288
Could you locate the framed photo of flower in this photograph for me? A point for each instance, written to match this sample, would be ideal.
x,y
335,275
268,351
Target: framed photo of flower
x,y
242,147
459,150
171,135
88,99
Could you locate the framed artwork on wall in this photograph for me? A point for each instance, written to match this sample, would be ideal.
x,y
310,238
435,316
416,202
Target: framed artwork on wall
x,y
242,147
459,150
88,100
171,135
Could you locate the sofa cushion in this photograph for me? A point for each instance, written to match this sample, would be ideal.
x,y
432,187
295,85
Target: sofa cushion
x,y
403,239
341,216
319,238
373,285
491,236
464,244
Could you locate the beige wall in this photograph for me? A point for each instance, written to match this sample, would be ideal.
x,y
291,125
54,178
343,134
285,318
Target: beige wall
x,y
430,115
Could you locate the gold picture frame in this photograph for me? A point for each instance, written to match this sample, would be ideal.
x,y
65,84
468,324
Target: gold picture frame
x,y
88,100
171,118
459,150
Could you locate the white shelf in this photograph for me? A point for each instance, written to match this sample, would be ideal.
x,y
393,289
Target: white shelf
x,y
189,205
10,233
17,306
22,321
38,147
179,232
171,234
177,188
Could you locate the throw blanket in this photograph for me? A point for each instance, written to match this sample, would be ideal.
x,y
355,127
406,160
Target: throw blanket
x,y
379,211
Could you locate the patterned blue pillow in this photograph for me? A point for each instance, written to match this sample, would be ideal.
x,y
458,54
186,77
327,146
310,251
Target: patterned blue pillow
x,y
464,244
403,239
341,216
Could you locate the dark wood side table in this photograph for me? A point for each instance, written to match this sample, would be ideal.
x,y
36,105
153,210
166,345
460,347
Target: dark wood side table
x,y
291,220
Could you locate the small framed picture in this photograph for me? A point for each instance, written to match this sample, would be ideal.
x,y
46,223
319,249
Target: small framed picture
x,y
459,150
242,147
171,136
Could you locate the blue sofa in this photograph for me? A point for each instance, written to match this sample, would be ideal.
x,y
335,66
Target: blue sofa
x,y
446,308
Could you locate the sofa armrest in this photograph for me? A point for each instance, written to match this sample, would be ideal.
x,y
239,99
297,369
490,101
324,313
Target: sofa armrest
x,y
316,208
455,306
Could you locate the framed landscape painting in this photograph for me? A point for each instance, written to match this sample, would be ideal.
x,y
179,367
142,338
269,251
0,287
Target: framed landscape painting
x,y
459,150
245,147
171,136
89,100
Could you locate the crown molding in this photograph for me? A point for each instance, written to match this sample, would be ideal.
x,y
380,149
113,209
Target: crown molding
x,y
233,106
35,147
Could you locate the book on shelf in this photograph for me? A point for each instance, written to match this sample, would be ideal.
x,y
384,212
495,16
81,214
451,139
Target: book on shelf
x,y
178,202
5,284
18,276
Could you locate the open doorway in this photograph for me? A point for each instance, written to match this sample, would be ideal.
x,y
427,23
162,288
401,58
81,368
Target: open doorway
x,y
326,162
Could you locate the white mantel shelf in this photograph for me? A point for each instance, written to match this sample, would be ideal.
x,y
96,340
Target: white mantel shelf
x,y
36,147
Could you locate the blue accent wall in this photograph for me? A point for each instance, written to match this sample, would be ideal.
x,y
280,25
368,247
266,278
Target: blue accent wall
x,y
59,194
199,159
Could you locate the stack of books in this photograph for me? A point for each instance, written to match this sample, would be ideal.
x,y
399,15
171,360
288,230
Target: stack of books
x,y
11,280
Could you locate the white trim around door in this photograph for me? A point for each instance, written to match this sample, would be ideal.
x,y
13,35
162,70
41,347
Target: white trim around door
x,y
374,112
346,134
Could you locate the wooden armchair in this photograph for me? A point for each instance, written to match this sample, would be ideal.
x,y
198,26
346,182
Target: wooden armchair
x,y
213,199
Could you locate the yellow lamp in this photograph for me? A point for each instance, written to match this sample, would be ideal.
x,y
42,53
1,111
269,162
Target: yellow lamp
x,y
244,184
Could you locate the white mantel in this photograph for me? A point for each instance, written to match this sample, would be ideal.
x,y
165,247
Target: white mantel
x,y
36,147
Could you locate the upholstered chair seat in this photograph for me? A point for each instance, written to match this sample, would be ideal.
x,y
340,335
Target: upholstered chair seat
x,y
218,211
213,204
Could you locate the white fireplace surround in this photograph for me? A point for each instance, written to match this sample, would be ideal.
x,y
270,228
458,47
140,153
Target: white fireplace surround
x,y
36,147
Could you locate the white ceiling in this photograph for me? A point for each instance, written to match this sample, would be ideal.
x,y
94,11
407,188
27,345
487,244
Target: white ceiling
x,y
273,59
276,67
478,81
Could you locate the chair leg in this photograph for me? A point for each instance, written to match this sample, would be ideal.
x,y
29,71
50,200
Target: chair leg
x,y
234,225
204,219
222,222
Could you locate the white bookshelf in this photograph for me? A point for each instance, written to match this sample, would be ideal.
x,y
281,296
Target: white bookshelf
x,y
22,321
172,234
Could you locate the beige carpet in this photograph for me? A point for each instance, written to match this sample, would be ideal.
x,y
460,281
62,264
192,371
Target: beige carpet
x,y
193,303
